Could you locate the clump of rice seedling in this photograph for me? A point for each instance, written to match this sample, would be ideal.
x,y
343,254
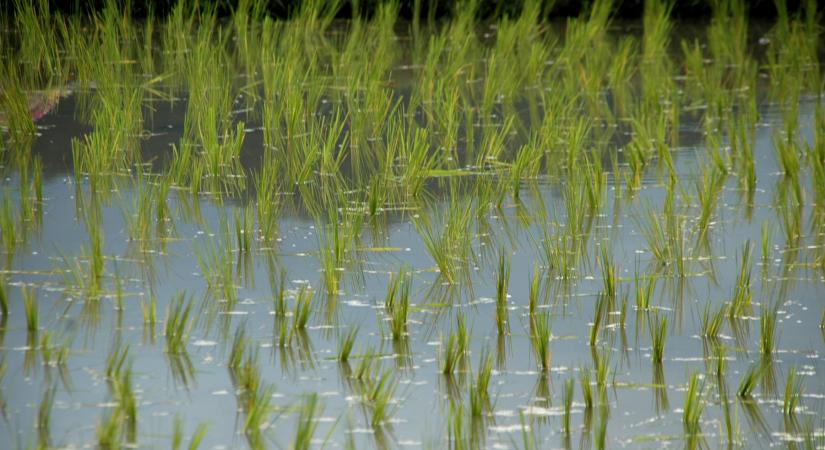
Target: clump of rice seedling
x,y
4,299
31,309
44,418
379,396
658,337
645,290
346,344
694,405
479,389
749,380
236,354
307,423
149,312
194,441
794,386
767,326
397,303
116,361
742,294
303,302
608,274
455,351
599,314
178,323
568,404
535,290
8,226
540,339
712,322
502,282
587,389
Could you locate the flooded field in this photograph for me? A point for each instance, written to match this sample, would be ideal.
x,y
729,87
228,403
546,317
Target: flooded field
x,y
241,232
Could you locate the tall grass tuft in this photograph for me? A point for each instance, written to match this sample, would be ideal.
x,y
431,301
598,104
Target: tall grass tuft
x,y
397,303
694,405
658,337
178,323
749,381
540,338
794,387
502,282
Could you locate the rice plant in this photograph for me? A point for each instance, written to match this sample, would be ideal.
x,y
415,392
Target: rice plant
x,y
379,396
502,282
568,404
302,310
742,295
346,344
794,388
658,337
749,381
194,441
307,423
4,298
712,321
767,327
31,309
694,405
454,352
178,323
397,303
540,338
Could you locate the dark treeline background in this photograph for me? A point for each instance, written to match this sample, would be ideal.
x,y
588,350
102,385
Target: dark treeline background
x,y
439,9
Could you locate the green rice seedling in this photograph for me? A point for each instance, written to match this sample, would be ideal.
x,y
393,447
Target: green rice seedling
x,y
794,387
303,304
540,338
366,364
767,326
239,343
243,230
4,297
307,422
608,274
31,308
568,404
452,245
346,344
149,312
257,413
178,324
455,351
694,405
749,381
766,245
645,291
658,337
116,361
397,303
599,313
502,282
44,418
742,295
481,387
535,291
194,441
601,362
379,397
712,322
8,226
600,435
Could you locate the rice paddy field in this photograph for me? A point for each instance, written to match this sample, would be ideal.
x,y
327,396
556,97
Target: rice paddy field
x,y
236,231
